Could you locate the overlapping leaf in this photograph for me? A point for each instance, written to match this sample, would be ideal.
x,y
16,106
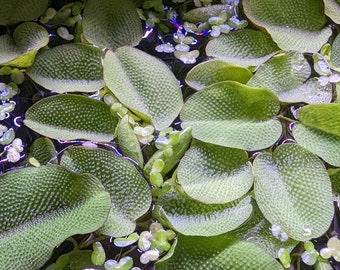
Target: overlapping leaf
x,y
318,130
21,49
69,68
43,150
41,207
218,252
191,217
213,71
69,117
332,10
233,115
214,174
202,14
143,84
244,47
293,25
14,11
293,190
335,53
129,192
112,24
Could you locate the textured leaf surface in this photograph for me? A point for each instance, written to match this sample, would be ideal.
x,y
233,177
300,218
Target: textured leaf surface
x,y
128,143
334,174
20,50
144,84
215,174
213,71
202,14
130,193
332,10
233,115
223,252
257,230
293,25
14,11
170,161
293,191
243,47
69,68
112,24
41,207
335,53
191,217
43,150
69,117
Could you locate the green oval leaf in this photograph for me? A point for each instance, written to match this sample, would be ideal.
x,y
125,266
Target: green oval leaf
x,y
215,174
43,150
112,24
213,71
20,50
191,217
14,11
202,14
36,201
318,131
335,52
68,117
332,10
130,193
294,25
69,68
293,190
143,84
244,47
217,252
233,115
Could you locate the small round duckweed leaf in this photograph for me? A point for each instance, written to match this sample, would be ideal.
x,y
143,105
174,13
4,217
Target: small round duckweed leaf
x,y
202,14
36,201
14,11
112,24
191,217
233,115
244,47
69,68
294,25
215,174
332,10
213,71
43,150
293,191
335,52
20,50
129,191
69,117
144,84
217,252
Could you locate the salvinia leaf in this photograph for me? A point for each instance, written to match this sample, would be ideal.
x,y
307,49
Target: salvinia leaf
x,y
318,130
215,174
244,47
332,10
288,185
14,11
293,25
334,174
69,116
20,50
129,191
69,68
43,150
335,53
41,207
128,143
144,84
233,115
112,24
202,14
217,253
190,217
213,71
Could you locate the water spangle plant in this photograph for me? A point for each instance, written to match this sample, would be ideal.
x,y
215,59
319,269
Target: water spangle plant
x,y
231,162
